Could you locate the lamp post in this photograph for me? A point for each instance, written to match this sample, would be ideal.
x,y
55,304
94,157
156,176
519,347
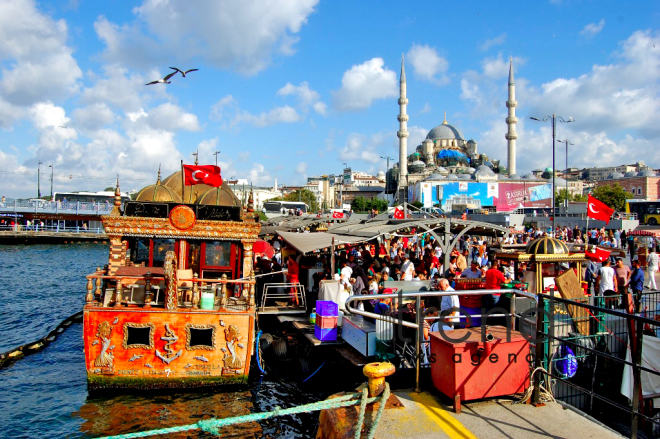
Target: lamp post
x,y
341,189
51,181
216,157
554,120
39,179
387,173
566,173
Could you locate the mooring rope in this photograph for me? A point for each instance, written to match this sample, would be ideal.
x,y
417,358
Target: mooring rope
x,y
214,425
19,352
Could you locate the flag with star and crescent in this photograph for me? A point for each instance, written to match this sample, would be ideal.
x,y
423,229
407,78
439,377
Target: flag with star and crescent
x,y
205,174
596,209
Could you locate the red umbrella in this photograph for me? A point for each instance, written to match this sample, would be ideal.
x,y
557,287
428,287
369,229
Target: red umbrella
x,y
264,248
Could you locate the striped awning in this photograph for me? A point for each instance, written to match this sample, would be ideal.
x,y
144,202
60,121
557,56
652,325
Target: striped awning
x,y
653,231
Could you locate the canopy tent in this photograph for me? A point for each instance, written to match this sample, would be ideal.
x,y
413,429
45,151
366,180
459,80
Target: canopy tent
x,y
309,242
651,231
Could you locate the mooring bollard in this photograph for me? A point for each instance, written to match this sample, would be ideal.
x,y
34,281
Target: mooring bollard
x,y
376,373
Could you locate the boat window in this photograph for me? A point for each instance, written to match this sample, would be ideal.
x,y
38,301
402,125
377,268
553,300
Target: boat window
x,y
161,247
200,337
194,250
217,254
138,336
141,251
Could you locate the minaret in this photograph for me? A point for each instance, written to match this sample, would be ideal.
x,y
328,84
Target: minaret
x,y
511,135
402,134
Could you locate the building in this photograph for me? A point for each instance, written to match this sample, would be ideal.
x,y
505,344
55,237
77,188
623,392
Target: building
x,y
644,185
597,174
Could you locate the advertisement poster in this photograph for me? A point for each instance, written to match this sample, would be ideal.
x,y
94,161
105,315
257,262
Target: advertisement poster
x,y
513,195
463,195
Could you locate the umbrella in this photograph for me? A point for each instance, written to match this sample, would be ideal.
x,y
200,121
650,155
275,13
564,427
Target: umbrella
x,y
264,248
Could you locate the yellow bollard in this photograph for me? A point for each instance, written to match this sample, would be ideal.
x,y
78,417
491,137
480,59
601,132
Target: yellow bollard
x,y
376,373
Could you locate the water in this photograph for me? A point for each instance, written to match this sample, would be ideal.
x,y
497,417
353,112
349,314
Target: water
x,y
45,394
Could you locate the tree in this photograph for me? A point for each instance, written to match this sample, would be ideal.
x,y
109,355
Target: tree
x,y
614,196
561,195
417,204
109,189
361,204
304,195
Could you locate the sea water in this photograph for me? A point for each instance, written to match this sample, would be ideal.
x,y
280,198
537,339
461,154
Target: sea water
x,y
45,394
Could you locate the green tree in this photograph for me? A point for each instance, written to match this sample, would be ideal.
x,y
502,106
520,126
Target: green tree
x,y
417,204
561,195
304,195
614,196
361,204
109,189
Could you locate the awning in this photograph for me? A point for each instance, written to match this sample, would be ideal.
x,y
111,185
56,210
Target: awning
x,y
308,242
653,231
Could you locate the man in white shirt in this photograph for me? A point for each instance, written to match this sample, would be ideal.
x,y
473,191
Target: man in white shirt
x,y
652,263
407,268
606,282
448,302
345,275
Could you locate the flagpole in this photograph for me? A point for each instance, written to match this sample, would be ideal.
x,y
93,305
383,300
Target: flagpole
x,y
183,183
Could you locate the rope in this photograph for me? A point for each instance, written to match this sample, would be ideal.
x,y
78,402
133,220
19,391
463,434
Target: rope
x,y
213,425
257,350
381,409
546,396
363,408
305,380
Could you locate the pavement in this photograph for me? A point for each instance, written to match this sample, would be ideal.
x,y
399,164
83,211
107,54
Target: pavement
x,y
427,415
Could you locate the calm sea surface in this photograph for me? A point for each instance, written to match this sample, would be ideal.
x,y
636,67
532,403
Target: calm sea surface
x,y
45,394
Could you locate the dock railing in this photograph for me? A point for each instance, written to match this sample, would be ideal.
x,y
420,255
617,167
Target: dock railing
x,y
605,350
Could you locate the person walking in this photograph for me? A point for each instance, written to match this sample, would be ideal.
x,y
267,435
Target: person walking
x,y
606,283
590,275
637,283
622,277
652,267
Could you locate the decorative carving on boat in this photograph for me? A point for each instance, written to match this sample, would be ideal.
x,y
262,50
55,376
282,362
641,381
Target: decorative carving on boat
x,y
201,358
136,339
182,217
233,363
105,359
170,274
162,228
135,357
170,337
204,339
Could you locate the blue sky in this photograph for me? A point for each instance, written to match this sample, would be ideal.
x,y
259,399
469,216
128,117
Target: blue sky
x,y
290,89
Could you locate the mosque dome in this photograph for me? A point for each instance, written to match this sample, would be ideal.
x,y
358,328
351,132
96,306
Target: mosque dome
x,y
514,177
630,174
484,171
470,170
441,170
548,169
547,246
434,177
646,173
219,196
452,177
502,177
529,176
158,193
464,176
444,131
614,176
416,166
471,141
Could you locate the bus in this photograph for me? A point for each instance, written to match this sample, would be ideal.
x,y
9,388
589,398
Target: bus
x,y
648,212
278,208
89,197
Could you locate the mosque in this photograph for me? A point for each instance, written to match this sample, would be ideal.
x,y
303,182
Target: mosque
x,y
447,170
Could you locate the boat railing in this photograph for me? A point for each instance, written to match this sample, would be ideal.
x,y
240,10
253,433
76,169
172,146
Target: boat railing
x,y
148,291
286,298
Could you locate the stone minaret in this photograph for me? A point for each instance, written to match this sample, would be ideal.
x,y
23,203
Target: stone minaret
x,y
402,134
511,135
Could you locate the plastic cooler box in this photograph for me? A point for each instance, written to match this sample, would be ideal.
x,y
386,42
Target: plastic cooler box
x,y
472,369
326,308
322,334
326,322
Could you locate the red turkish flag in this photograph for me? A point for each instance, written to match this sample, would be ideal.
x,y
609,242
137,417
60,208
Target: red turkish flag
x,y
337,214
598,210
398,213
596,254
207,174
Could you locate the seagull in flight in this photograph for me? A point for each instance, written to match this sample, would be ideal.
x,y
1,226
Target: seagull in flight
x,y
162,81
182,72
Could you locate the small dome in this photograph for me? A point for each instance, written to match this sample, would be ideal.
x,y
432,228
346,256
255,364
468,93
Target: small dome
x,y
418,163
484,171
219,196
548,169
547,246
646,173
158,193
471,141
434,177
380,174
470,170
529,176
464,176
630,174
614,176
190,193
441,170
452,177
514,177
502,177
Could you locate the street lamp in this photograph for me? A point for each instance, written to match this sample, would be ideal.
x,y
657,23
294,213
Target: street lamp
x,y
387,174
38,179
566,173
554,120
341,188
216,157
51,181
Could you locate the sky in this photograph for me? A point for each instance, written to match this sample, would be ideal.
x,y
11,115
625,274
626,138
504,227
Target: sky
x,y
291,89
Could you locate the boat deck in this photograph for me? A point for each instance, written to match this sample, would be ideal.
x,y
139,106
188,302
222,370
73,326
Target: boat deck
x,y
429,415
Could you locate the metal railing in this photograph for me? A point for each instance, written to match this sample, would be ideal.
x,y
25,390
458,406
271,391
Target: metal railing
x,y
291,291
78,207
55,228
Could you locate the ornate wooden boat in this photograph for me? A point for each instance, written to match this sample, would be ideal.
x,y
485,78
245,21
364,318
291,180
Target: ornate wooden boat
x,y
174,307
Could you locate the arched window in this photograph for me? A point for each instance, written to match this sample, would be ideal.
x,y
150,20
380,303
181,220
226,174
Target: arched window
x,y
639,190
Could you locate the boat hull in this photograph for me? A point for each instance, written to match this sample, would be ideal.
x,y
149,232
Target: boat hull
x,y
155,348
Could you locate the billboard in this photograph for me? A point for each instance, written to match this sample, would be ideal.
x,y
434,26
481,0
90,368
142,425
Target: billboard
x,y
513,195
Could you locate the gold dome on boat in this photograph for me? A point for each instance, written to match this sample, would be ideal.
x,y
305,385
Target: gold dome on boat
x,y
158,193
219,196
547,246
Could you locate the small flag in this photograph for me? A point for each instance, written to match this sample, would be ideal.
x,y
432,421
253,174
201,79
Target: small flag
x,y
596,254
337,214
598,210
398,213
207,174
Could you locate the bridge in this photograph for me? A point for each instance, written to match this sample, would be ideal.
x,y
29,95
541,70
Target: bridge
x,y
15,206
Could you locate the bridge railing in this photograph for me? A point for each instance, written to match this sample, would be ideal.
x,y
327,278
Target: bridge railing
x,y
31,206
55,228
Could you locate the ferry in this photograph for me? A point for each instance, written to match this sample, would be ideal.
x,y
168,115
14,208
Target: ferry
x,y
174,306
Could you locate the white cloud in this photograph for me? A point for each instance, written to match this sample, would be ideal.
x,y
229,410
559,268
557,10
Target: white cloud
x,y
425,109
218,109
361,147
259,176
284,114
498,40
171,117
593,29
498,67
121,89
427,64
93,117
306,96
416,136
364,83
301,169
241,35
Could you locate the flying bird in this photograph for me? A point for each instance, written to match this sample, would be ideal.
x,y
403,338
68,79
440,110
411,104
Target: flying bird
x,y
182,72
162,81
